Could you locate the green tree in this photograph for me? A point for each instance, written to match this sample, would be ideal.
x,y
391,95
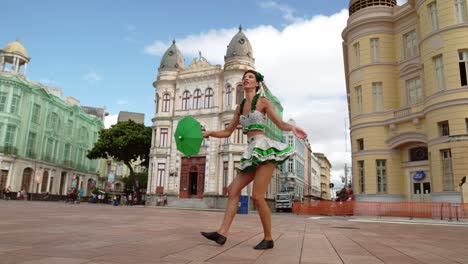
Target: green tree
x,y
141,177
125,141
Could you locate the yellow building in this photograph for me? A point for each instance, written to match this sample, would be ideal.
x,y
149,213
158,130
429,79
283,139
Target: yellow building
x,y
406,79
325,167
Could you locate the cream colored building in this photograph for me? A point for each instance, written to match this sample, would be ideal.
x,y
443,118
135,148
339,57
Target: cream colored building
x,y
325,166
210,94
406,78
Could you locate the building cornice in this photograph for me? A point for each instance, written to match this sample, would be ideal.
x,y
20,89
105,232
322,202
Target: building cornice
x,y
373,152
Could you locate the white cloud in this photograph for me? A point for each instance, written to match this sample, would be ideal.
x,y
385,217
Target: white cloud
x,y
122,102
401,2
288,12
303,67
110,120
92,76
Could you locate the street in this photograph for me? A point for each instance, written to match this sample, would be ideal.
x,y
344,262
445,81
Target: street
x,y
55,232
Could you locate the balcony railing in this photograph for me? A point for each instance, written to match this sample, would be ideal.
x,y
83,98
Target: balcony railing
x,y
9,150
30,154
402,112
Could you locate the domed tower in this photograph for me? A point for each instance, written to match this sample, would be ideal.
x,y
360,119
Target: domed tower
x,y
14,58
239,53
356,5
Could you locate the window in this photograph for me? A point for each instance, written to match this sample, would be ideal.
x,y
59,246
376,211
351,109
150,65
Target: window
x,y
161,170
10,135
70,128
414,91
381,175
375,54
360,144
53,121
444,129
36,114
446,156
418,154
378,97
432,7
163,137
31,145
156,102
290,140
3,101
196,99
460,11
359,99
239,94
239,136
466,124
225,175
209,98
362,184
67,152
228,95
228,139
166,102
410,44
185,100
290,165
463,65
439,73
15,104
357,54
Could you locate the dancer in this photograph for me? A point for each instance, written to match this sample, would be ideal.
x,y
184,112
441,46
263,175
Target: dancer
x,y
259,159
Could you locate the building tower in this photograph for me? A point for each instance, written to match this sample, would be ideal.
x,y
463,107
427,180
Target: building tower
x,y
406,79
14,58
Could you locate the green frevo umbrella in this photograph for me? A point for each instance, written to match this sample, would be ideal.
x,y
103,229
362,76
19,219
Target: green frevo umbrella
x,y
188,136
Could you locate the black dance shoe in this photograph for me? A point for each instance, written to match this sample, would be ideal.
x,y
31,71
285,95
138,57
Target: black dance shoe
x,y
215,236
264,244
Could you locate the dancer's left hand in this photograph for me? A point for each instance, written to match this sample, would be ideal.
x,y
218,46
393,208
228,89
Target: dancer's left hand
x,y
298,132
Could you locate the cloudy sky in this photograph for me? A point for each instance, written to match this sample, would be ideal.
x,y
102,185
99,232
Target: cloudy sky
x,y
107,52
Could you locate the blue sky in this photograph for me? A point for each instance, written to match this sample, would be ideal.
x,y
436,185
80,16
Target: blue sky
x,y
94,50
106,53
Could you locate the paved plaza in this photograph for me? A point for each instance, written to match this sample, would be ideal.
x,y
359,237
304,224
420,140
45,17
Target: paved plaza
x,y
54,232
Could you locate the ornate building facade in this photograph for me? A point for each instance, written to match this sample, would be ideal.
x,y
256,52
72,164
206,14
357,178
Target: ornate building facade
x,y
210,94
406,79
43,139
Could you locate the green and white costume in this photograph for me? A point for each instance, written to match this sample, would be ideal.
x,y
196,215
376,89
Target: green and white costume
x,y
260,149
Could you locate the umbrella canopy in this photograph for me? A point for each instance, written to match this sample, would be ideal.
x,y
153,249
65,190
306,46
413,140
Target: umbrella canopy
x,y
188,136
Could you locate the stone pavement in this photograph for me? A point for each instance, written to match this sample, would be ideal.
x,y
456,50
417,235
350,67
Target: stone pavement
x,y
53,232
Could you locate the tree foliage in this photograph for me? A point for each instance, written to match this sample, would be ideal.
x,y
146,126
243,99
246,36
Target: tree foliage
x,y
125,141
140,177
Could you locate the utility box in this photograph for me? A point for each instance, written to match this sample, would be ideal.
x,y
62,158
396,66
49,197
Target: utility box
x,y
243,204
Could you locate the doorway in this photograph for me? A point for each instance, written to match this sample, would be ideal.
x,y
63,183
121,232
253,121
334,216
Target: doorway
x,y
420,186
193,183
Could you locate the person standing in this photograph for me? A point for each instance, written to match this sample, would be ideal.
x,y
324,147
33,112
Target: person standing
x,y
7,193
259,159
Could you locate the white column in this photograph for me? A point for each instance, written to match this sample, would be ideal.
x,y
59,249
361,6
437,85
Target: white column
x,y
2,63
25,68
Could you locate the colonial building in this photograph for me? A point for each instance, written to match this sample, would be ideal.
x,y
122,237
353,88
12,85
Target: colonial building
x,y
325,167
406,79
210,94
295,170
313,182
43,139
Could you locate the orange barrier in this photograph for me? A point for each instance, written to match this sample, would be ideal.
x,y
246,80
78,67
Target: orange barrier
x,y
400,209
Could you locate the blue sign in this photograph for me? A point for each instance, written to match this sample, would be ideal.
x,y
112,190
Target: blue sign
x,y
419,175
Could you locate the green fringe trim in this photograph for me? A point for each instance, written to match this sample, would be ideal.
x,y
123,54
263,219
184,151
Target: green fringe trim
x,y
253,127
267,152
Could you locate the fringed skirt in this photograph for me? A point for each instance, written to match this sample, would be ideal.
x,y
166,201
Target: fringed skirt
x,y
262,149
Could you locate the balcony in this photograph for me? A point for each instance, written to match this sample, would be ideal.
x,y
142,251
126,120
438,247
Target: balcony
x,y
402,112
9,150
30,154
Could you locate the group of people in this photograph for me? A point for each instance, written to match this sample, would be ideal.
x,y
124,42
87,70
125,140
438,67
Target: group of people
x,y
20,195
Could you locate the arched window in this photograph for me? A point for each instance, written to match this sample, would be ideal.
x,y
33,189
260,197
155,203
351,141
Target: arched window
x,y
228,94
197,99
166,103
209,98
239,94
156,101
185,100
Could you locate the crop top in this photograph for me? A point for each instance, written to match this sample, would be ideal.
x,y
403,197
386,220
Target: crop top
x,y
254,120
